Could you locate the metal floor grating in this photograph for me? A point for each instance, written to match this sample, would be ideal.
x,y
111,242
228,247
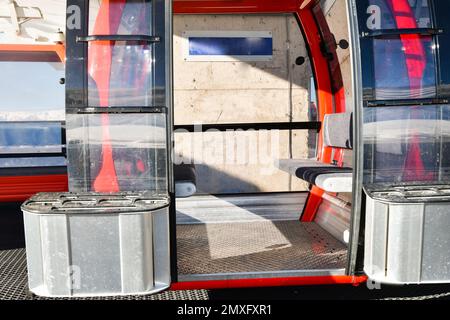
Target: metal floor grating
x,y
13,283
219,248
260,246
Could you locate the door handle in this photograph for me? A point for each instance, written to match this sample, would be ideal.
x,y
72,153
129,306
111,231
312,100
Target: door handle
x,y
119,37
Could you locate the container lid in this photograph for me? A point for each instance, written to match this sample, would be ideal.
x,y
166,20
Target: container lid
x,y
409,194
98,203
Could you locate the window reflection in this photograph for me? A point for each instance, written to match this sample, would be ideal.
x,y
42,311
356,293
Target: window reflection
x,y
30,138
403,65
33,162
31,97
407,144
120,72
31,91
138,151
404,68
398,14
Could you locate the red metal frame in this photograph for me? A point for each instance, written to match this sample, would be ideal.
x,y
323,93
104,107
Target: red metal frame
x,y
20,188
235,6
268,282
312,204
325,100
320,67
337,91
59,49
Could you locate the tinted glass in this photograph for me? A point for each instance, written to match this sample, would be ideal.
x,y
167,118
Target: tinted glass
x,y
31,91
399,66
115,152
397,14
29,137
442,9
407,144
404,67
30,96
120,72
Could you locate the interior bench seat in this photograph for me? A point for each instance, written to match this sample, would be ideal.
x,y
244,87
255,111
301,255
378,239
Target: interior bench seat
x,y
337,133
327,177
331,179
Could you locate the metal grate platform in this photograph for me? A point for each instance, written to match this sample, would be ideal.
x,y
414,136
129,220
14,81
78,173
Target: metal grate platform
x,y
256,247
13,283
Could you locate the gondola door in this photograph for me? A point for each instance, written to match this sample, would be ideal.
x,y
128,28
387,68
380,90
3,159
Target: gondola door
x,y
119,107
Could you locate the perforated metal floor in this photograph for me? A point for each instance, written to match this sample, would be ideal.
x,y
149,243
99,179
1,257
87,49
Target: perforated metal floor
x,y
259,246
217,248
13,283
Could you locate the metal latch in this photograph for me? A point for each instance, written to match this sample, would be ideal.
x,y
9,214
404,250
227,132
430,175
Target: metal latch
x,y
119,37
397,32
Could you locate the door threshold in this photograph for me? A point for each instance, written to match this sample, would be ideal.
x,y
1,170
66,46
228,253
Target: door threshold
x,y
261,275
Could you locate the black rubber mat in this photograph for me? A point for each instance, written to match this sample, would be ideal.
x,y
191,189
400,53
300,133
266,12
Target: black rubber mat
x,y
13,283
260,246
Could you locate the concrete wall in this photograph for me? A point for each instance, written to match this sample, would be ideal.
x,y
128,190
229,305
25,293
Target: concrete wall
x,y
242,91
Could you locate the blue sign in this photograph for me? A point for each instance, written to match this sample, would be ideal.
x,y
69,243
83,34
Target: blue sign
x,y
230,46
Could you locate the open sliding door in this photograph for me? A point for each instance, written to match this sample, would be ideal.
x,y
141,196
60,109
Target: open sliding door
x,y
119,123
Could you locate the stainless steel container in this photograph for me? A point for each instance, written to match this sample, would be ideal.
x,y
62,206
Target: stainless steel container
x,y
407,237
97,244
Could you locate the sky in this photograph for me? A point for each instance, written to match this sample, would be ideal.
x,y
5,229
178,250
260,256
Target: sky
x,y
31,87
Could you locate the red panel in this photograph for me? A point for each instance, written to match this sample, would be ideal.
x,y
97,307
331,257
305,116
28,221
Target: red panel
x,y
29,56
322,75
235,6
59,49
325,100
268,282
312,204
20,188
337,84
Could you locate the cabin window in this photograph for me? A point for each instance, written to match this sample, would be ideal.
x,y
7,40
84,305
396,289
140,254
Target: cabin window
x,y
407,144
404,68
31,90
403,44
406,135
31,110
442,8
